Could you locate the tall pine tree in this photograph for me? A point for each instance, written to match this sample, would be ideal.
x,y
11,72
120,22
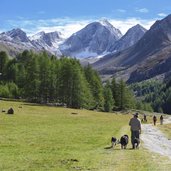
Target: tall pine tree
x,y
108,98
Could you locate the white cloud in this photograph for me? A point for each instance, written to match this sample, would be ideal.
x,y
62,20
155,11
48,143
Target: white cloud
x,y
142,10
124,25
68,26
66,30
162,15
73,27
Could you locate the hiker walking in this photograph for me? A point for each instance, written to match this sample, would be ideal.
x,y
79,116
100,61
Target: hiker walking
x,y
145,118
135,125
154,119
161,120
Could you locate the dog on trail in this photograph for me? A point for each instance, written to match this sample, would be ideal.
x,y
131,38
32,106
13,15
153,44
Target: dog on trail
x,y
136,143
114,141
124,141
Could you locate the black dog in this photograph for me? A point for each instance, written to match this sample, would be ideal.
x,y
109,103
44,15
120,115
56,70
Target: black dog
x,y
113,141
136,143
124,141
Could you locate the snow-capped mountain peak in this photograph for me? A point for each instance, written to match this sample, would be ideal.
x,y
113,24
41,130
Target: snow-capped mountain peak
x,y
105,23
92,40
15,35
109,26
48,41
37,35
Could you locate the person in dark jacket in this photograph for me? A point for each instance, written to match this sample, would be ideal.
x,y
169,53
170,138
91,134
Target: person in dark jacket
x,y
135,125
161,120
154,119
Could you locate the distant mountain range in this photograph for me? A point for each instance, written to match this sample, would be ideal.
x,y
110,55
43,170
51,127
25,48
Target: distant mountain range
x,y
138,55
90,43
149,57
16,40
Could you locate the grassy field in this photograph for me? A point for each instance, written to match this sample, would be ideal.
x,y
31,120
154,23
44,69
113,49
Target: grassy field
x,y
166,129
41,138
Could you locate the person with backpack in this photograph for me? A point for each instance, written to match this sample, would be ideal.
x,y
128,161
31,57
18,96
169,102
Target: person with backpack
x,y
135,125
145,118
154,120
161,120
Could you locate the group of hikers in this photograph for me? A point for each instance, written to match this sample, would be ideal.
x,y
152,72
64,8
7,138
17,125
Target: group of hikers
x,y
154,119
135,125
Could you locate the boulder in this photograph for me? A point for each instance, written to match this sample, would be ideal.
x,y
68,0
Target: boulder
x,y
10,111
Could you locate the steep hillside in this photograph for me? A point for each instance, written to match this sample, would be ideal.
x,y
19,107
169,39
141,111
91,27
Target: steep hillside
x,y
91,41
146,59
132,36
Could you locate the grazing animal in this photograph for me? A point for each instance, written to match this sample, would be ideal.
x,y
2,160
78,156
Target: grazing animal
x,y
124,141
113,141
136,143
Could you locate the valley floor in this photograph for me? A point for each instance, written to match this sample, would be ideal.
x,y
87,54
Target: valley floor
x,y
42,138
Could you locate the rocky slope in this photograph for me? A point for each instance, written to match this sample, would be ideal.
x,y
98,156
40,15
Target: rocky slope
x,y
48,41
132,36
91,41
146,59
16,41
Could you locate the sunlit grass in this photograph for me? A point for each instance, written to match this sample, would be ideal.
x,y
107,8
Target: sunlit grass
x,y
166,128
52,138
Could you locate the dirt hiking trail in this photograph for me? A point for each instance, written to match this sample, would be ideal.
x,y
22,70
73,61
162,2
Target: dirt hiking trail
x,y
154,140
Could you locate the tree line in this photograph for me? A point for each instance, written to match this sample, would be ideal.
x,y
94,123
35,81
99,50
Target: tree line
x,y
43,78
157,94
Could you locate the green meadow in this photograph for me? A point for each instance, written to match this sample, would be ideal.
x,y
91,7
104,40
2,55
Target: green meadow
x,y
166,129
42,138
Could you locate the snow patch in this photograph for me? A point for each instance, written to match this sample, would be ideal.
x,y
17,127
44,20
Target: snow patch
x,y
65,46
37,36
85,53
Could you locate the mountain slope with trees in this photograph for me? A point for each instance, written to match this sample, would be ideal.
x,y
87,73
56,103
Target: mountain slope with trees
x,y
154,94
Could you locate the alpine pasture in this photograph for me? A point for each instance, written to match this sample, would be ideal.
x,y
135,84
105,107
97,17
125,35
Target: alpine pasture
x,y
38,138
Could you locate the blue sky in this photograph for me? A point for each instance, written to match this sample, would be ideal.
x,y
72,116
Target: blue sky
x,y
69,16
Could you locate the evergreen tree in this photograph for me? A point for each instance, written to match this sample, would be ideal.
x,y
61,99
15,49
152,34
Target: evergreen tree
x,y
115,93
3,62
10,74
126,98
44,77
21,76
25,57
73,84
95,86
52,81
32,85
122,98
108,98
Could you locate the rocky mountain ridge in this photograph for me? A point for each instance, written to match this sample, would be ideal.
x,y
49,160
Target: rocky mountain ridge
x,y
90,43
146,59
